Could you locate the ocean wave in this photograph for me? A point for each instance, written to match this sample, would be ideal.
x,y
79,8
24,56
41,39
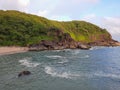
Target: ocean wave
x,y
68,75
107,75
60,59
54,73
63,61
75,52
85,56
96,47
80,56
54,57
28,63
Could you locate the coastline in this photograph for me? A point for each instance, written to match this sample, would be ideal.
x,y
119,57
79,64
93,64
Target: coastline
x,y
12,50
5,50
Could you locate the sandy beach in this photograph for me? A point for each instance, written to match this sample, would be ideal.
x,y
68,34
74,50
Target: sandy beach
x,y
12,50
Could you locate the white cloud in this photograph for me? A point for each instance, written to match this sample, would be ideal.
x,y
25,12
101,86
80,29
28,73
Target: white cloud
x,y
71,8
61,18
90,17
24,2
56,8
113,26
93,18
21,5
43,13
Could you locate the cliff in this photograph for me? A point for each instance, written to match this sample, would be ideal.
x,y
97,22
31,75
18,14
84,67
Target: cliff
x,y
21,29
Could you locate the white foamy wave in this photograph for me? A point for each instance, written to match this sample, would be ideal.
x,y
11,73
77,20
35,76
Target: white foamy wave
x,y
60,59
75,52
107,75
63,61
54,57
28,63
54,73
85,56
96,47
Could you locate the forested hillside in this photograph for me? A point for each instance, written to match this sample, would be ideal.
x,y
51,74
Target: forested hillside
x,y
21,29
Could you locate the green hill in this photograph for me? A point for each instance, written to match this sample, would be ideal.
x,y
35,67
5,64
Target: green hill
x,y
21,29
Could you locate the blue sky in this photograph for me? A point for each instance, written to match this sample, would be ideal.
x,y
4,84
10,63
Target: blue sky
x,y
104,13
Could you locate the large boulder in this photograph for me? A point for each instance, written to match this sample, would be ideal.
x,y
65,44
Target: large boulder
x,y
85,47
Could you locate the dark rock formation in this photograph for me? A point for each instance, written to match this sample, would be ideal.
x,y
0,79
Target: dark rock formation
x,y
23,73
67,43
62,41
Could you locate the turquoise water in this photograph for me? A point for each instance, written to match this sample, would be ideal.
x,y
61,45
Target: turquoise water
x,y
94,69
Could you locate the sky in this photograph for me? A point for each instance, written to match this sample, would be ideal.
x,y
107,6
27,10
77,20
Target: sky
x,y
104,13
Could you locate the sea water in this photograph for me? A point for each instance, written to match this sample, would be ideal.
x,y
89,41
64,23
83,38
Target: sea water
x,y
94,69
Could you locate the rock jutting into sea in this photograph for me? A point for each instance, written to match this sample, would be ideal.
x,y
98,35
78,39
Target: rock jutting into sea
x,y
66,42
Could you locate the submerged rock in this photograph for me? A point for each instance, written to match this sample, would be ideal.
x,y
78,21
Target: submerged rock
x,y
23,73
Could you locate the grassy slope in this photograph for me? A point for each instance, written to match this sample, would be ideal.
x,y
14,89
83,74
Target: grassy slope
x,y
17,28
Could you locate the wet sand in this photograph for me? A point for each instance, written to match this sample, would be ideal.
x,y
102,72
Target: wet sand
x,y
12,50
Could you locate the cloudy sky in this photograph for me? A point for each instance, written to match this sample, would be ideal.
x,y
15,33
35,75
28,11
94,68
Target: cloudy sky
x,y
105,13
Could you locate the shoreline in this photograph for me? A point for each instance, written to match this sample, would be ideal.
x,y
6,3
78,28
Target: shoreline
x,y
6,50
12,50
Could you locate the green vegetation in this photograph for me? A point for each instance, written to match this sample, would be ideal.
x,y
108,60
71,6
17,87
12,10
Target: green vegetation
x,y
21,29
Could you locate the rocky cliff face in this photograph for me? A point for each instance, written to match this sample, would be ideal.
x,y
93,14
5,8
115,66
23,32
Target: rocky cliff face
x,y
103,40
64,41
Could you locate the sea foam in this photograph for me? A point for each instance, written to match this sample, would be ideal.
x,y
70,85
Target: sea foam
x,y
55,73
28,63
107,75
60,59
85,56
63,61
54,57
